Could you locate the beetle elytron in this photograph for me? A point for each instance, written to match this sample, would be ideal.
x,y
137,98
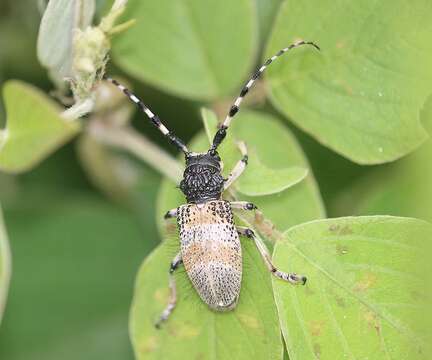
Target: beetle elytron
x,y
209,240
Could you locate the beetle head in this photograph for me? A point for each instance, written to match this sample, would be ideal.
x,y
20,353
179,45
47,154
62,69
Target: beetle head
x,y
202,178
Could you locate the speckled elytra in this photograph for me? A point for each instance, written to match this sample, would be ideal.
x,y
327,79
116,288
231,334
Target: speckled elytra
x,y
209,240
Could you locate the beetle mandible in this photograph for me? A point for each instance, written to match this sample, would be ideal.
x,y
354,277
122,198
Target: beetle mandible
x,y
209,240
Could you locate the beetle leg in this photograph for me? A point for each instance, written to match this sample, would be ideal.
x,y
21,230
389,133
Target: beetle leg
x,y
171,213
173,291
239,167
290,277
243,205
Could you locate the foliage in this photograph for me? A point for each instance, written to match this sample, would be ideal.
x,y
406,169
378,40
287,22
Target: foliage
x,y
363,95
184,49
366,295
33,129
366,96
74,263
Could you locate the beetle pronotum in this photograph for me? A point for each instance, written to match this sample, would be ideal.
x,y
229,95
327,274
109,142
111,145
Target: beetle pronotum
x,y
209,240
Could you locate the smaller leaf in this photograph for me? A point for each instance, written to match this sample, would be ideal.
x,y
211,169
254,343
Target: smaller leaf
x,y
5,265
266,181
34,127
258,179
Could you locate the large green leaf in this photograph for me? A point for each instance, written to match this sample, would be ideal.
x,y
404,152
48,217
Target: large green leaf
x,y
363,94
75,257
195,332
5,265
33,130
196,49
365,294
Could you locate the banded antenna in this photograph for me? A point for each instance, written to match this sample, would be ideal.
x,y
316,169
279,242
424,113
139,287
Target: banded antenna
x,y
154,119
221,133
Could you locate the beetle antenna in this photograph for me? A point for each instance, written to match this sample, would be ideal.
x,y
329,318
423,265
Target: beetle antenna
x,y
221,133
154,119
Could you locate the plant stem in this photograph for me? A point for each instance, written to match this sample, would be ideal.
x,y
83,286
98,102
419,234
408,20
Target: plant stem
x,y
128,139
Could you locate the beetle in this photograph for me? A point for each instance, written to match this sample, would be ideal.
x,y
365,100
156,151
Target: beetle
x,y
210,247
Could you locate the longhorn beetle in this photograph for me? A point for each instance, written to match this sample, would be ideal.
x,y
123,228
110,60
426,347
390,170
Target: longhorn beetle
x,y
209,240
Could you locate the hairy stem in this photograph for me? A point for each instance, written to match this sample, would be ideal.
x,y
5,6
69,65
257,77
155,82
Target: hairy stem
x,y
126,138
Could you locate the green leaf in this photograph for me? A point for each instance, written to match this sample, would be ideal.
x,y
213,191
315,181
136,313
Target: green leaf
x,y
276,179
193,330
365,294
194,49
76,258
5,265
278,149
362,95
34,127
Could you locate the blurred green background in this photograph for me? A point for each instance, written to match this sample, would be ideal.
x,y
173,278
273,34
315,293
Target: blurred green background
x,y
76,252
